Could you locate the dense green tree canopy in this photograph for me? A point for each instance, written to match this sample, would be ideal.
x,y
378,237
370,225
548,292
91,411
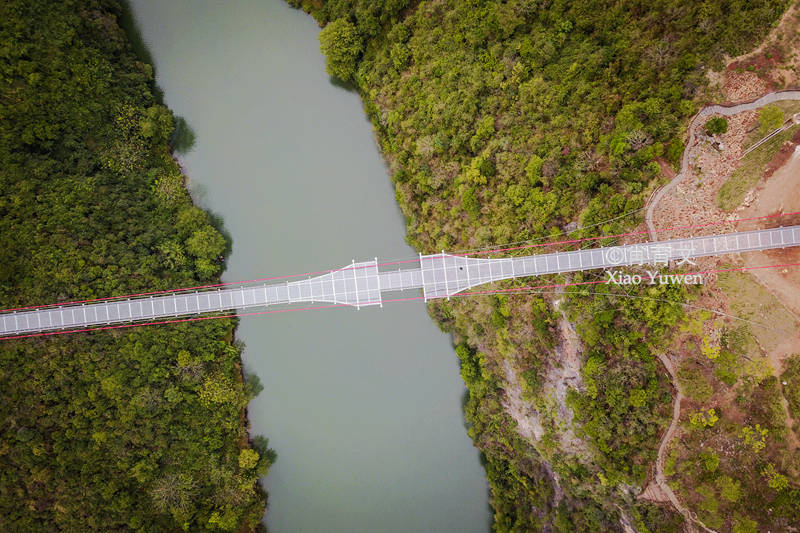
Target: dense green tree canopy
x,y
716,125
341,44
127,429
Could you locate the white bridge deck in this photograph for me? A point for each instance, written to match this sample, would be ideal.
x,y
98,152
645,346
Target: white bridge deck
x,y
362,284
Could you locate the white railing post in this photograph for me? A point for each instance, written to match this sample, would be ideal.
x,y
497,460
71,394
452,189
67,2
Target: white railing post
x,y
378,277
422,273
355,284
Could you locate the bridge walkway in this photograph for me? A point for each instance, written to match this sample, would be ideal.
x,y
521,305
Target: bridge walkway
x,y
363,284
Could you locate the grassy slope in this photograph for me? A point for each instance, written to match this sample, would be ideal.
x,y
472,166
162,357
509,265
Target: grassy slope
x,y
128,429
504,121
750,171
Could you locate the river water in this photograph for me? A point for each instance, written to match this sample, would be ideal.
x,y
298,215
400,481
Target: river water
x,y
363,407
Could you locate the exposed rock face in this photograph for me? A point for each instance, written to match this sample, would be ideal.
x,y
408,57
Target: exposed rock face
x,y
551,414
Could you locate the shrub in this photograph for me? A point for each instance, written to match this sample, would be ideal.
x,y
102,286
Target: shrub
x,y
729,488
694,383
790,379
716,125
775,480
754,437
701,419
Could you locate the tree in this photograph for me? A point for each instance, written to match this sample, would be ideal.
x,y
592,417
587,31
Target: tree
x,y
342,46
770,117
248,459
742,524
775,480
754,437
183,136
268,456
703,419
710,460
156,124
716,125
469,201
709,350
206,243
730,489
534,169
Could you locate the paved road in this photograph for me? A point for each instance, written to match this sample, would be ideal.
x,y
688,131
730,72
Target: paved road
x,y
727,111
363,284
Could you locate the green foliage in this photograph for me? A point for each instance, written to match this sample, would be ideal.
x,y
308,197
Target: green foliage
x,y
534,169
766,407
205,243
742,524
131,430
754,437
248,459
183,136
770,118
693,324
156,124
503,80
483,132
791,388
342,46
710,460
218,390
709,506
729,488
267,456
703,419
694,383
709,351
637,398
469,201
775,480
716,125
726,367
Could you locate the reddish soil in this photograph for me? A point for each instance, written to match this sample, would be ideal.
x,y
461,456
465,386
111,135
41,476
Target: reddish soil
x,y
743,86
774,63
666,168
762,64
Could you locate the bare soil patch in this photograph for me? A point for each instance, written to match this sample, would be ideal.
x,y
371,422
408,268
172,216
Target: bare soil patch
x,y
666,168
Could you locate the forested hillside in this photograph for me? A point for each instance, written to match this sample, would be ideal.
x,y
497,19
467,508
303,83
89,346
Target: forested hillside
x,y
507,121
129,429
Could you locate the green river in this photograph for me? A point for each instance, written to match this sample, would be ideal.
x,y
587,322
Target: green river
x,y
363,407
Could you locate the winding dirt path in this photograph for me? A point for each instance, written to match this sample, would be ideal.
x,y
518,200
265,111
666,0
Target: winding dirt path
x,y
724,110
661,479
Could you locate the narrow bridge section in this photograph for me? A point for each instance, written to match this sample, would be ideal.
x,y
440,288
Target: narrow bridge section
x,y
362,284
